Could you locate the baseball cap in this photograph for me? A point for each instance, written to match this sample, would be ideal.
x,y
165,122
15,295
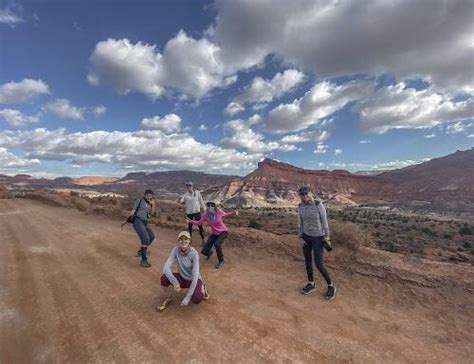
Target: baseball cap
x,y
303,190
184,233
189,183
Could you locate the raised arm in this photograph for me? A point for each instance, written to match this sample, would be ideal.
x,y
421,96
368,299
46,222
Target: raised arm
x,y
200,222
324,219
229,214
192,287
167,268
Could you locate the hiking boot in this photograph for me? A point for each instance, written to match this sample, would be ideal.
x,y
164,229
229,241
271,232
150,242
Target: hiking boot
x,y
139,253
144,263
163,306
309,288
220,264
330,293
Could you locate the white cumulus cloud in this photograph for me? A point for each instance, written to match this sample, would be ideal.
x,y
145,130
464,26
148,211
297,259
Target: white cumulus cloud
x,y
458,127
17,118
167,123
9,17
62,109
23,91
98,111
399,107
321,101
262,91
139,150
407,39
191,67
233,108
10,162
308,136
243,137
321,148
397,164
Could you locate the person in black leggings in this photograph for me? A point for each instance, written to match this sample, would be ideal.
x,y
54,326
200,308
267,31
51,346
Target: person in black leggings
x,y
313,231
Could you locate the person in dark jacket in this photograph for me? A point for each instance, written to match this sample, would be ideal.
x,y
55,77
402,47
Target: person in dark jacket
x,y
143,208
313,230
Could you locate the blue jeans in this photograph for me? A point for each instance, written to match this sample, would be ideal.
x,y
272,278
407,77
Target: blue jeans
x,y
143,231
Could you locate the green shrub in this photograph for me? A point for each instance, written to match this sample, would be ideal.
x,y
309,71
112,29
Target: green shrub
x,y
465,230
254,224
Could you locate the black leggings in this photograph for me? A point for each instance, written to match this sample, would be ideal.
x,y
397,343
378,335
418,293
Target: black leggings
x,y
217,241
314,243
196,217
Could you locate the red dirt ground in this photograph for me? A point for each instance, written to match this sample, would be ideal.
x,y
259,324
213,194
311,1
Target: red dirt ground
x,y
71,290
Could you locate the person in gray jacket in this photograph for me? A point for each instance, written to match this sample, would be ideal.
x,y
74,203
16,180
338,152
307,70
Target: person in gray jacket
x,y
143,208
313,230
194,205
188,275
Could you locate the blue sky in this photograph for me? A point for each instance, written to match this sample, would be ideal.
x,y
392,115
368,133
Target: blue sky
x,y
106,88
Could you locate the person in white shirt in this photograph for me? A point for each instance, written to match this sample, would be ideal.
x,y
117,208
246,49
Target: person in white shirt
x,y
194,205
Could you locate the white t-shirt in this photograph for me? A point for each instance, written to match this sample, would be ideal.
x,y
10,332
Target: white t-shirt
x,y
193,201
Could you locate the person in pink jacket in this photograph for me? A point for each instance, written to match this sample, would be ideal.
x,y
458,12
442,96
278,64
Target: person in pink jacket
x,y
214,217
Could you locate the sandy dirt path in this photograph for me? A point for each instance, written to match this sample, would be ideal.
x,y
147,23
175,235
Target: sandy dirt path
x,y
72,291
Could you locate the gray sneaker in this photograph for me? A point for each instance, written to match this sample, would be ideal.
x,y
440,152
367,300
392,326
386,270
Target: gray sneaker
x,y
220,264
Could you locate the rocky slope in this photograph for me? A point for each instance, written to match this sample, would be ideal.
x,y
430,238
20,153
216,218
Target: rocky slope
x,y
441,184
446,182
170,181
276,184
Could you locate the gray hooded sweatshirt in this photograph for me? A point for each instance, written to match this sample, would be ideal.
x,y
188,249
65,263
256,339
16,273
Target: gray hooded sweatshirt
x,y
312,219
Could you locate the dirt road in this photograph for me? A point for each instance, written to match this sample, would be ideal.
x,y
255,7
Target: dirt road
x,y
71,291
